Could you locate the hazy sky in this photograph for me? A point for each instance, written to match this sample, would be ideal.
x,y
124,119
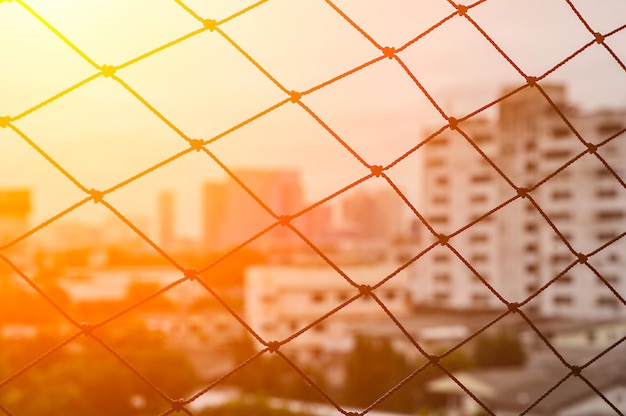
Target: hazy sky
x,y
102,135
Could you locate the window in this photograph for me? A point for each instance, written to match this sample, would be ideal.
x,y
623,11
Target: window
x,y
561,194
343,296
531,248
434,162
478,198
268,298
531,227
609,128
438,219
561,132
441,296
559,216
566,279
438,142
488,218
478,258
479,298
319,327
475,216
557,154
317,297
606,193
607,302
609,215
440,199
562,300
561,258
482,178
442,278
403,257
566,235
478,238
441,180
531,166
482,138
532,268
610,278
606,235
531,288
316,353
441,258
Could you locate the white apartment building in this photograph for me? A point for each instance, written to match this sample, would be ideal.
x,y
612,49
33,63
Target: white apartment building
x,y
515,249
281,299
458,189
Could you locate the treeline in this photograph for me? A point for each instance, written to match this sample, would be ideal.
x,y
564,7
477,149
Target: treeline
x,y
371,370
83,377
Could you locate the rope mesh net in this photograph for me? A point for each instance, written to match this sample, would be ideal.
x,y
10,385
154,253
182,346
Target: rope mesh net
x,y
207,27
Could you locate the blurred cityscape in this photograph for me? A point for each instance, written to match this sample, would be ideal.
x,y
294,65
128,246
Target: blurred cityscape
x,y
441,279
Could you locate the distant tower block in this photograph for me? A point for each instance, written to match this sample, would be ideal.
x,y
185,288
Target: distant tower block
x,y
231,216
15,207
279,189
213,214
166,219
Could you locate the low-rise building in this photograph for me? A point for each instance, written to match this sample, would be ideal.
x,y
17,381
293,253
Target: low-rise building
x,y
512,391
282,299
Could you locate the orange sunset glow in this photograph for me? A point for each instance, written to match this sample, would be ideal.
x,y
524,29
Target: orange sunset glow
x,y
312,207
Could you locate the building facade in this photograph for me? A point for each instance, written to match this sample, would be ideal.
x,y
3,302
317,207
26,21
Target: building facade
x,y
167,233
232,216
516,249
15,208
283,299
374,216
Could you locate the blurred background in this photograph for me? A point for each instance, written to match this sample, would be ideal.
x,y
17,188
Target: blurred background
x,y
368,184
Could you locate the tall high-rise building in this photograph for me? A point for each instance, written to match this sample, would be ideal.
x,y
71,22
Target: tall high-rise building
x,y
232,215
318,225
167,233
15,207
213,212
374,215
515,249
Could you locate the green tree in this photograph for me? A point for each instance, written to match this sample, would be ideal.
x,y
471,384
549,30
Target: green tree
x,y
373,368
498,350
85,378
270,375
